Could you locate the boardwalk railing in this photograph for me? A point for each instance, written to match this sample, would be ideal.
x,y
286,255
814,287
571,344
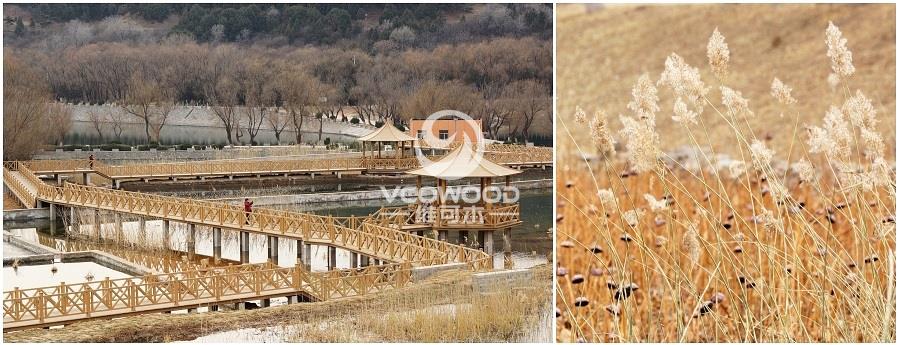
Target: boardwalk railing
x,y
408,163
61,165
19,188
158,262
65,303
497,153
230,167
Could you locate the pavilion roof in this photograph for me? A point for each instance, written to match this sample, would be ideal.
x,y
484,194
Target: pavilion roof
x,y
463,161
387,132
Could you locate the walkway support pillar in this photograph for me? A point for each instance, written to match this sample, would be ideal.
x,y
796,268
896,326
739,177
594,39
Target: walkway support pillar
x,y
507,248
245,247
303,251
488,242
273,249
97,233
332,257
52,213
120,233
166,239
354,260
192,240
86,177
217,245
142,228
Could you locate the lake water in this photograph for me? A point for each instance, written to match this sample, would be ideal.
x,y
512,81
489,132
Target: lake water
x,y
34,276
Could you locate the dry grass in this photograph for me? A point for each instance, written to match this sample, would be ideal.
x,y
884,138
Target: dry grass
x,y
337,320
716,257
10,202
505,314
600,56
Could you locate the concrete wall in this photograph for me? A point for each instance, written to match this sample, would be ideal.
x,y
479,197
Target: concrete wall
x,y
422,273
26,214
196,125
36,248
489,281
101,258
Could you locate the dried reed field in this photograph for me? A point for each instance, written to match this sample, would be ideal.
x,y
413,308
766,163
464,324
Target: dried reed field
x,y
681,220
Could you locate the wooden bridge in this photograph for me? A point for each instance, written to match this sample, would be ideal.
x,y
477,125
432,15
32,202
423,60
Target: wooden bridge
x,y
372,237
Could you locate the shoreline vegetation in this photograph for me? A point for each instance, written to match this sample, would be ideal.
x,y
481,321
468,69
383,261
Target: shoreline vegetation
x,y
415,309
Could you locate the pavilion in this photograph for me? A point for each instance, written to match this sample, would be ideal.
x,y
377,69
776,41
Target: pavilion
x,y
372,146
490,210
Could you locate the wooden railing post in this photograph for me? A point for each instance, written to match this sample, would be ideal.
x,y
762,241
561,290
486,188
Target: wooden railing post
x,y
132,295
298,276
87,297
175,291
326,294
63,298
40,304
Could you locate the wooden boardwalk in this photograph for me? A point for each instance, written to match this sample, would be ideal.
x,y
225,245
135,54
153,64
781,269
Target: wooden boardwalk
x,y
183,290
509,155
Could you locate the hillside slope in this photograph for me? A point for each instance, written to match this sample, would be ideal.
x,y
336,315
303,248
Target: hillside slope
x,y
602,50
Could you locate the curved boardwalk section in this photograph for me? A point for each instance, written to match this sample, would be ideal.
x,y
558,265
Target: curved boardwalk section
x,y
370,236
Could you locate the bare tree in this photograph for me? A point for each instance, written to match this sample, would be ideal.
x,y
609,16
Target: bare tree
x,y
532,98
224,100
495,110
222,91
299,92
259,95
98,122
117,123
278,120
25,97
143,94
434,96
60,117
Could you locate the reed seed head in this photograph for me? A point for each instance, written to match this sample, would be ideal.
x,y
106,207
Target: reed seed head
x,y
718,54
782,92
841,57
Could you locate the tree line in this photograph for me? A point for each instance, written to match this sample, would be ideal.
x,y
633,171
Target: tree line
x,y
506,82
363,26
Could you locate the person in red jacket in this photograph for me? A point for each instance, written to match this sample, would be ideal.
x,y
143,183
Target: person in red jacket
x,y
248,208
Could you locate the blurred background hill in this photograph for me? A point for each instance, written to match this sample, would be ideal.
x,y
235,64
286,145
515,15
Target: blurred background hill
x,y
603,49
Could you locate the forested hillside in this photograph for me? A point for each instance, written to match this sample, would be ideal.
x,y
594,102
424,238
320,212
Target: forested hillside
x,y
278,65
